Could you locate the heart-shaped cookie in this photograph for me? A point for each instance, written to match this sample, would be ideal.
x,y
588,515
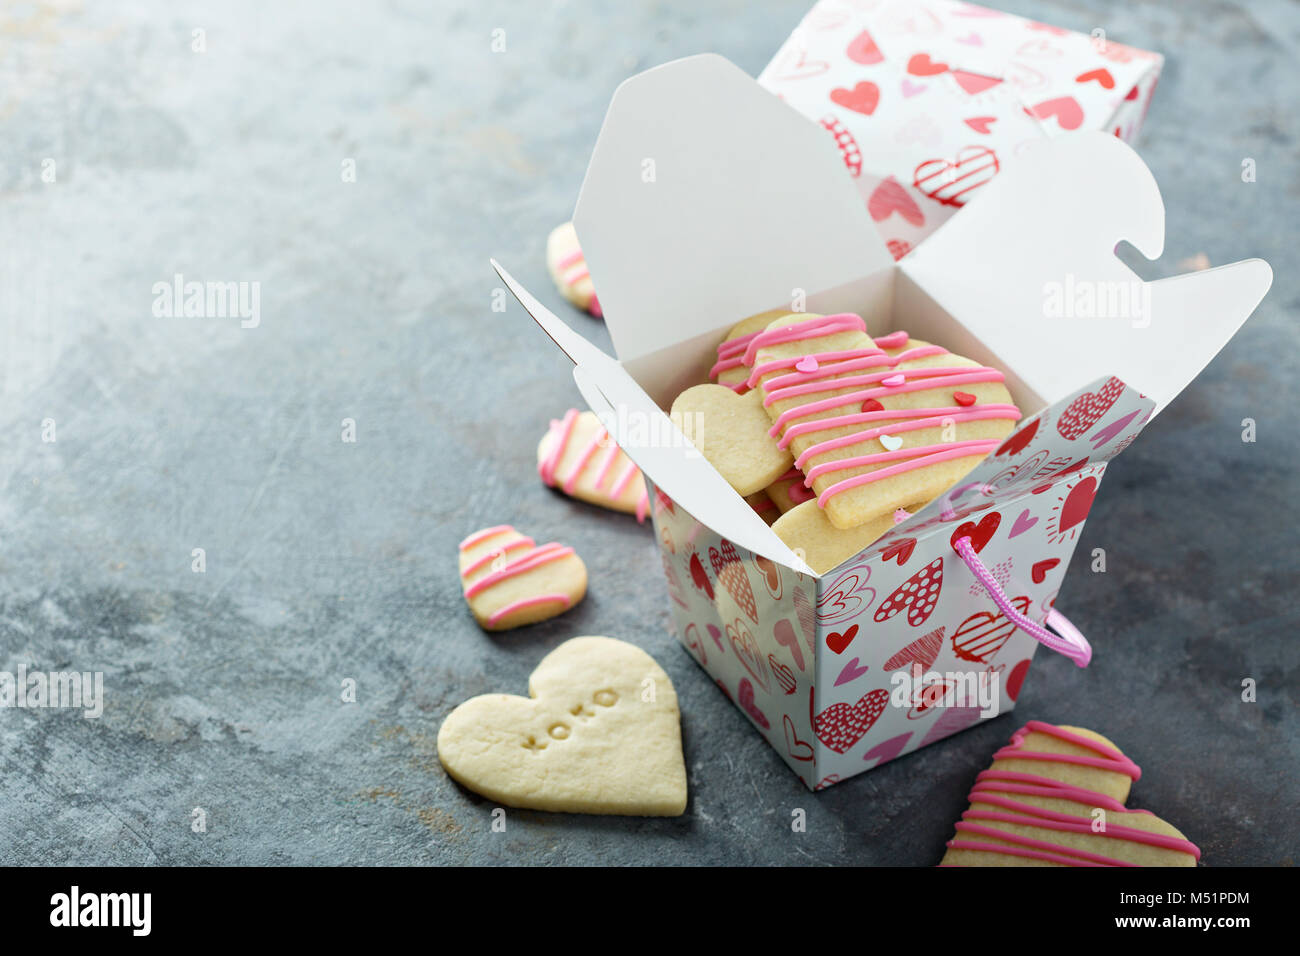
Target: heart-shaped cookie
x,y
600,732
509,580
731,432
874,424
568,268
578,456
805,528
729,369
1055,797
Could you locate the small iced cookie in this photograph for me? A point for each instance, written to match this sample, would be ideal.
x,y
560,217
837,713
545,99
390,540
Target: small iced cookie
x,y
875,424
510,581
763,506
806,529
730,370
1037,806
600,732
578,456
788,491
730,431
568,268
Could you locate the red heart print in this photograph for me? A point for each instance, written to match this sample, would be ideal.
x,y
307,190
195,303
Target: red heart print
x,y
784,676
1016,679
785,636
863,50
897,248
796,748
1078,503
1039,571
700,577
840,726
1066,109
919,594
899,551
890,197
807,615
1019,441
979,534
838,641
921,652
980,124
974,83
745,697
746,648
770,574
848,145
731,575
981,636
863,98
948,181
1101,75
1088,409
921,65
1132,94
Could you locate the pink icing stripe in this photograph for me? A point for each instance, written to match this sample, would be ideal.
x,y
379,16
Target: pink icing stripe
x,y
575,277
952,450
495,552
594,307
527,602
611,453
1064,823
625,479
571,479
861,418
936,419
483,535
533,559
562,430
866,358
941,376
731,354
1032,849
1109,759
1012,781
894,340
856,398
812,329
642,505
573,258
792,475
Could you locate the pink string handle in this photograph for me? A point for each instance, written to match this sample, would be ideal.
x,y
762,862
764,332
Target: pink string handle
x,y
1064,638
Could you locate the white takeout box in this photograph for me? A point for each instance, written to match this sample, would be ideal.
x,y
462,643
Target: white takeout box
x,y
708,200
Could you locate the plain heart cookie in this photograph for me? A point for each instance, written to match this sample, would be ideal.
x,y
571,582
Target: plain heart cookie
x,y
730,431
568,268
1055,797
509,580
823,546
578,456
600,732
875,424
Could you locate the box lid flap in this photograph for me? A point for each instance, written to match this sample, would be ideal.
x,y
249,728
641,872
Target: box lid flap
x,y
650,439
1032,273
708,199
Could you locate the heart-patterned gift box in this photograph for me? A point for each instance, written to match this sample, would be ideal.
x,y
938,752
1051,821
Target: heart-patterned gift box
x,y
928,100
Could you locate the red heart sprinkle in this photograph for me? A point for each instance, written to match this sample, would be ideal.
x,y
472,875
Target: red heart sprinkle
x,y
964,398
871,405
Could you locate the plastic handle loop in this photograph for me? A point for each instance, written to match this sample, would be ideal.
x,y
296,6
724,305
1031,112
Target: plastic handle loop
x,y
1064,638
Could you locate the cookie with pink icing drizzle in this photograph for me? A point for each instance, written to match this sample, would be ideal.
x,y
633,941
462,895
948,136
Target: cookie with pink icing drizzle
x,y
730,369
568,268
510,580
874,425
1055,797
579,457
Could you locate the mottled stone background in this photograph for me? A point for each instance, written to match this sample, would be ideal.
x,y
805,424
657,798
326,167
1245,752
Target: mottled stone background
x,y
328,560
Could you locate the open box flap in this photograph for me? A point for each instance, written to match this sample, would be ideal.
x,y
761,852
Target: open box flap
x,y
708,199
650,439
1032,273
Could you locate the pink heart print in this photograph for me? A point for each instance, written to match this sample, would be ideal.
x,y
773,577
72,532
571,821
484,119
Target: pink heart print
x,y
890,197
1088,409
923,652
745,696
731,575
746,648
918,594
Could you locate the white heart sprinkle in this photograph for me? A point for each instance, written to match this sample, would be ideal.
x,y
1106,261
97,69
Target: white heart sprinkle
x,y
890,442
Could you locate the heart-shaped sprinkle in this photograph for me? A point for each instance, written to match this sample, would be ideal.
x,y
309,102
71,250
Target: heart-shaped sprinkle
x,y
893,381
963,398
871,405
901,515
806,364
891,442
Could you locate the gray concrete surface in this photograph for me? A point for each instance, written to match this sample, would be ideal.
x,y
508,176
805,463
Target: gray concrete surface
x,y
329,560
